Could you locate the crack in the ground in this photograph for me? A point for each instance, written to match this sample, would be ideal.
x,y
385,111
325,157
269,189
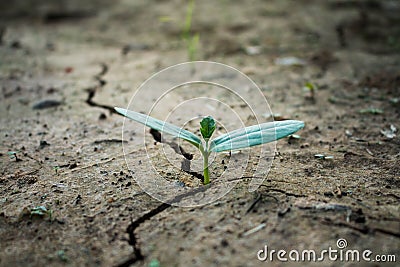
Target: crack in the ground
x,y
92,90
137,253
289,194
109,141
251,207
365,229
177,148
180,151
89,100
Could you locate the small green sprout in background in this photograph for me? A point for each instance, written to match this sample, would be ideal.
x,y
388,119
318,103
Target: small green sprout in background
x,y
42,211
373,111
310,88
13,155
395,100
333,100
191,41
237,139
56,168
154,263
61,255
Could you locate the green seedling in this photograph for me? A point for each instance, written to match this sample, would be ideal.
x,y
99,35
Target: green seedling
x,y
237,139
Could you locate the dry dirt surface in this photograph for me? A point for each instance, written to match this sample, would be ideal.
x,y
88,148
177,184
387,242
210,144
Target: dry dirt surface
x,y
69,199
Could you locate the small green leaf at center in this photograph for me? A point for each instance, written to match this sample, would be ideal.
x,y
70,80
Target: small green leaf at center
x,y
207,127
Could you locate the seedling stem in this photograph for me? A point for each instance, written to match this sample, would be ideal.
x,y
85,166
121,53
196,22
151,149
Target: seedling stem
x,y
205,155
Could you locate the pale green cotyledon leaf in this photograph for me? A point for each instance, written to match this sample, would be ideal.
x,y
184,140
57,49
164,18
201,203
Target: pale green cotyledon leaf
x,y
255,135
161,126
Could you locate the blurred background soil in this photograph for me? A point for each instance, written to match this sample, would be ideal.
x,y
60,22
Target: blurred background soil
x,y
333,64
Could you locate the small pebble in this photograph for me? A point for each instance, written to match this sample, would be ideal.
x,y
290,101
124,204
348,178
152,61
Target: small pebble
x,y
47,103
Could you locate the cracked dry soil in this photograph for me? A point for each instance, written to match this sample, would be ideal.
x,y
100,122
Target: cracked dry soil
x,y
64,65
